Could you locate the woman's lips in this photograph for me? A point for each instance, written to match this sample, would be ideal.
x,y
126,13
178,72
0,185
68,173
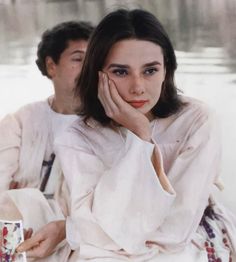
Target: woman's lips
x,y
138,103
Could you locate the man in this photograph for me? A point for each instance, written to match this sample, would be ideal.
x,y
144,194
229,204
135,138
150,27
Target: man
x,y
28,165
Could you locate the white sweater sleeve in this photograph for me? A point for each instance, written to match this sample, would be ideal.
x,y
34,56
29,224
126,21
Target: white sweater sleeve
x,y
192,175
117,206
10,142
125,205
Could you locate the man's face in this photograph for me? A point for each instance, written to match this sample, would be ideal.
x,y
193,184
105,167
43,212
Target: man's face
x,y
66,71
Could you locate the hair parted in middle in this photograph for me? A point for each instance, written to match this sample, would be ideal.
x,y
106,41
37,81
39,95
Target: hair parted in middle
x,y
120,25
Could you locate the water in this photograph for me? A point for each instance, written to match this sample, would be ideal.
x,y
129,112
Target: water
x,y
203,33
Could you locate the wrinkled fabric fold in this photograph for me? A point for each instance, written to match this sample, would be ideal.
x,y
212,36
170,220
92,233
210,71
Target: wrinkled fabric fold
x,y
118,204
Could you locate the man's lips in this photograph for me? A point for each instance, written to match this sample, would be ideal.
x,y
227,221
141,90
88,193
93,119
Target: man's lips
x,y
137,103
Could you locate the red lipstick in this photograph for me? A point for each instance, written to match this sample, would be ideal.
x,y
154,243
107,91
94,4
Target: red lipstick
x,y
137,103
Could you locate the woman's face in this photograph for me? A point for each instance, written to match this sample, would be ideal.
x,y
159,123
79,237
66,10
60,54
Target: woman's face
x,y
137,69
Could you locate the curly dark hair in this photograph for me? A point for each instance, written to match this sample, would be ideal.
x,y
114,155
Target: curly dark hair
x,y
55,40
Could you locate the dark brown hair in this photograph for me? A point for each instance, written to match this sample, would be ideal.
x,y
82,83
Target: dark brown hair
x,y
116,26
55,40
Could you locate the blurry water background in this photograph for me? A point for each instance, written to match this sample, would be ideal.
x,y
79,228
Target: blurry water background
x,y
203,33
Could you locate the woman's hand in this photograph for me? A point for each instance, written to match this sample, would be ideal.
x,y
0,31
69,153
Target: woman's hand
x,y
44,241
120,111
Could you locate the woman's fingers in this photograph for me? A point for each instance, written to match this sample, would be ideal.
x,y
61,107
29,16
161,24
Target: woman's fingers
x,y
111,100
104,95
101,88
115,96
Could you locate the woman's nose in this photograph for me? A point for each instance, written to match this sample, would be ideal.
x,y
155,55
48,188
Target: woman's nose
x,y
137,85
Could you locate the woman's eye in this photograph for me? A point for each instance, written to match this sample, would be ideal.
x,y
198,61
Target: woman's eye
x,y
120,72
150,71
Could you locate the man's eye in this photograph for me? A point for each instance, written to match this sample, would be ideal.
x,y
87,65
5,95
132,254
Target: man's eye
x,y
150,71
77,59
120,72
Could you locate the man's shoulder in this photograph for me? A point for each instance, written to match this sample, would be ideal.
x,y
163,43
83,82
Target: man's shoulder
x,y
29,114
82,134
33,107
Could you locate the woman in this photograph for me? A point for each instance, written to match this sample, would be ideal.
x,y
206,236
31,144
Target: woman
x,y
142,163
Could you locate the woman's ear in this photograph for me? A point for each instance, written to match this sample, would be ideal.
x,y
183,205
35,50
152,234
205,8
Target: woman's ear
x,y
50,66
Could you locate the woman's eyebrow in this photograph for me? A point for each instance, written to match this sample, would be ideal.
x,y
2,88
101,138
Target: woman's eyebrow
x,y
118,65
152,64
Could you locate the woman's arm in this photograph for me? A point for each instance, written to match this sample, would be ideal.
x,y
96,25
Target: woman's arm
x,y
126,204
192,175
114,206
127,116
